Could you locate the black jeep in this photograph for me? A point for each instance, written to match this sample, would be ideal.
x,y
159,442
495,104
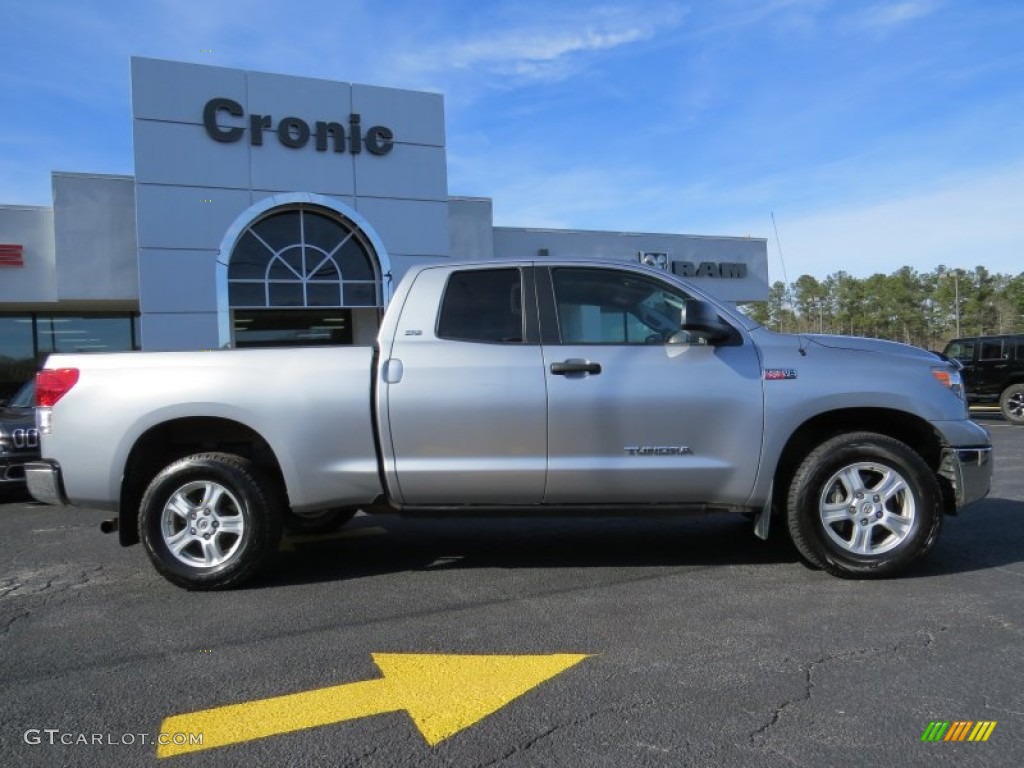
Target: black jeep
x,y
993,371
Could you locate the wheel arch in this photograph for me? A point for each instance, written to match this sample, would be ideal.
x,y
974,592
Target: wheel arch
x,y
1014,379
912,430
163,443
1013,389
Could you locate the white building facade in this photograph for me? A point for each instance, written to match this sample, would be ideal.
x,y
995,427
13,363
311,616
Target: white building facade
x,y
273,210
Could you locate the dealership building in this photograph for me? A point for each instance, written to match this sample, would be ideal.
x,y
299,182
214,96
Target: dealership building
x,y
269,210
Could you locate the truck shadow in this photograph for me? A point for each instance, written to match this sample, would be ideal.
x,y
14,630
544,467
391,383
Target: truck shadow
x,y
15,495
989,535
376,545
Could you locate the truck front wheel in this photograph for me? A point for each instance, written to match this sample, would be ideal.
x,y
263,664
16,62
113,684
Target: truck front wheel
x,y
208,521
1011,403
863,505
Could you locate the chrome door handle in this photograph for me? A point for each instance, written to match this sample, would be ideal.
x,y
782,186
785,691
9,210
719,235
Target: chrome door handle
x,y
575,366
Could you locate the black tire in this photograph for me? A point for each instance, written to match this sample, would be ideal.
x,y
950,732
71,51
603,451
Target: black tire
x,y
895,521
1011,403
209,521
324,521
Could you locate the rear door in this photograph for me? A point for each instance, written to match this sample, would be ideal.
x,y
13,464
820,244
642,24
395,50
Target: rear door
x,y
636,411
992,371
464,391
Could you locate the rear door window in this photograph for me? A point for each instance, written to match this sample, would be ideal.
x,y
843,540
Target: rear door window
x,y
992,349
483,305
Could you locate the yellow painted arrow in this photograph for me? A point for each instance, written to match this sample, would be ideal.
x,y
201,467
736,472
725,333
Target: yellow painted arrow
x,y
442,694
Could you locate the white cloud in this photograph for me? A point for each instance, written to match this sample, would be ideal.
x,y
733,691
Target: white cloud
x,y
885,16
545,49
531,47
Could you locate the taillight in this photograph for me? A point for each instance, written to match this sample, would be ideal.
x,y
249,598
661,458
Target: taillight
x,y
52,385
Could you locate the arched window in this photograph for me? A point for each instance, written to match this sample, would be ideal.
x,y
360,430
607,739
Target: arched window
x,y
303,256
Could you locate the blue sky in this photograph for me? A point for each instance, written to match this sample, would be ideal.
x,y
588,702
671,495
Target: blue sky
x,y
880,134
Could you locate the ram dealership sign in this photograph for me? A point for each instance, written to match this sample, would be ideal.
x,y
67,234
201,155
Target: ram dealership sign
x,y
734,270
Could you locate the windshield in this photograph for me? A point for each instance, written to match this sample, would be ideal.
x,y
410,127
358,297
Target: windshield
x,y
961,349
26,396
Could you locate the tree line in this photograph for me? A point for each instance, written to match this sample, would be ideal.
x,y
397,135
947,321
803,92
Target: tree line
x,y
925,309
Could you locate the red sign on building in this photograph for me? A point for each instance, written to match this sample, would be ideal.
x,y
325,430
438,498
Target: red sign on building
x,y
12,255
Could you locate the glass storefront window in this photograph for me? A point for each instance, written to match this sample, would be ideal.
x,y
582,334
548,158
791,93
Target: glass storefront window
x,y
291,328
66,333
26,340
17,354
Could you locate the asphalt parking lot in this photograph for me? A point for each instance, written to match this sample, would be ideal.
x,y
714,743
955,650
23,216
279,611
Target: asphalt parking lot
x,y
654,642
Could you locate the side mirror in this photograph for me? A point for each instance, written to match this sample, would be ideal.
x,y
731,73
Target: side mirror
x,y
701,319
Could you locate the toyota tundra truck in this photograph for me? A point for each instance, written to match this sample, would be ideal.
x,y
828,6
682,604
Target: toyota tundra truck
x,y
517,388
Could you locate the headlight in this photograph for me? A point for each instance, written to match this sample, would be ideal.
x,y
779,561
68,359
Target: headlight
x,y
951,379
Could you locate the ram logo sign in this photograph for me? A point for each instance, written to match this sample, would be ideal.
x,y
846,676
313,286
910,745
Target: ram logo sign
x,y
729,270
732,270
656,259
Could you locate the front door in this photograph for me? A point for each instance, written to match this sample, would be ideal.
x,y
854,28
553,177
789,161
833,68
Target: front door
x,y
638,412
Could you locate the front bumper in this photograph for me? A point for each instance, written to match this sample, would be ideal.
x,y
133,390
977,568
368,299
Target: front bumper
x,y
45,482
970,472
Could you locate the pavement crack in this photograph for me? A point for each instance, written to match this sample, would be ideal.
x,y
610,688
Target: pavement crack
x,y
519,749
9,622
760,736
47,582
41,588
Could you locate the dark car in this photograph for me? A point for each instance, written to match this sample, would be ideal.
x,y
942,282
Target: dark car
x,y
19,440
993,371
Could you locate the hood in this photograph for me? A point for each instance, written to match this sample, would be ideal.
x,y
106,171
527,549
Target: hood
x,y
859,344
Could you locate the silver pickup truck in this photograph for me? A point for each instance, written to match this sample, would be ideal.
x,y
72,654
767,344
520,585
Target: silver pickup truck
x,y
517,387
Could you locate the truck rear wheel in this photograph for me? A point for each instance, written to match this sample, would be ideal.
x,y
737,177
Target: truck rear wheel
x,y
208,521
1011,403
863,505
